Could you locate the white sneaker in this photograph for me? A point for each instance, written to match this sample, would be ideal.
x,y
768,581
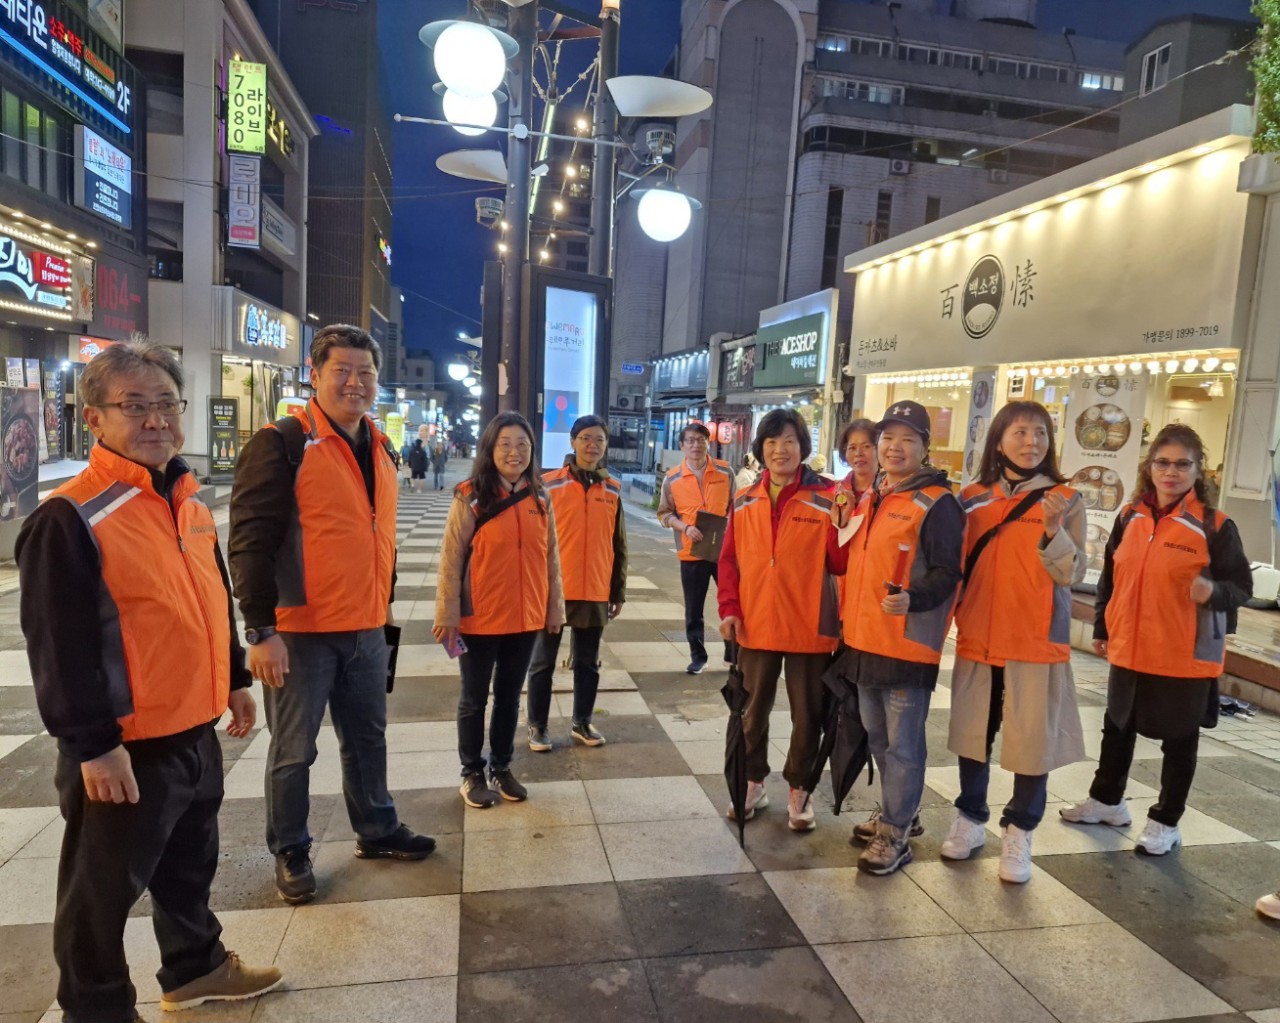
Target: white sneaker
x,y
800,811
1090,811
756,800
1269,905
1015,855
964,839
1157,839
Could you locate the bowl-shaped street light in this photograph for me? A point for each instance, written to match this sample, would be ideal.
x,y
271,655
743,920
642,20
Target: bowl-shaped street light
x,y
458,370
461,111
664,213
468,381
475,390
469,59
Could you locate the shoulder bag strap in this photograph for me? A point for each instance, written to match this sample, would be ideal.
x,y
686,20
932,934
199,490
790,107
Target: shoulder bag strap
x,y
510,501
1019,509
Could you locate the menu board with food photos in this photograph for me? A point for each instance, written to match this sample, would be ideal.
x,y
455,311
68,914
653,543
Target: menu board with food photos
x,y
53,410
1101,448
20,450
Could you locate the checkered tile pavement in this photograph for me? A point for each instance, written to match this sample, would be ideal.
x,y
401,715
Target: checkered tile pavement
x,y
618,890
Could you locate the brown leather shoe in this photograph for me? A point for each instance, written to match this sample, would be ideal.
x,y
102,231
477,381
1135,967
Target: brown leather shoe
x,y
230,982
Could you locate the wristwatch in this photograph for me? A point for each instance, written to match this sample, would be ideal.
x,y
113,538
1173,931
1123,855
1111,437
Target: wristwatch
x,y
255,636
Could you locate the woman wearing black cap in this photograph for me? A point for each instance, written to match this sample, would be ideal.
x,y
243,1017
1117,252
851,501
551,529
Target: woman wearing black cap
x,y
903,568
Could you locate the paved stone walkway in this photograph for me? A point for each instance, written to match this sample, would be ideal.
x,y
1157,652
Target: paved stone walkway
x,y
619,891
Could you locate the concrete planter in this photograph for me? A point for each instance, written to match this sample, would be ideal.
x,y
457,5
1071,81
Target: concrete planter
x,y
1260,174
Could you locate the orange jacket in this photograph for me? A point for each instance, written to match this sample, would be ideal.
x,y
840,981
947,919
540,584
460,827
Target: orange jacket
x,y
786,594
505,586
585,521
917,636
166,638
333,571
687,497
1152,624
1011,609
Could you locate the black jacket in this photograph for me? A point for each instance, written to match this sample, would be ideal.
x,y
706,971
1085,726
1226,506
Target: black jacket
x,y
418,457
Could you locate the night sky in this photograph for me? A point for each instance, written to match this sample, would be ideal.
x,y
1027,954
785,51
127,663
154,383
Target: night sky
x,y
439,248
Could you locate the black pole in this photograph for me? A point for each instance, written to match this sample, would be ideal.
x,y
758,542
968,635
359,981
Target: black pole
x,y
604,158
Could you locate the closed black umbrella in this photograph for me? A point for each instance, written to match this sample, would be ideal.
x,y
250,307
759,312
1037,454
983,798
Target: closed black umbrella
x,y
735,746
844,740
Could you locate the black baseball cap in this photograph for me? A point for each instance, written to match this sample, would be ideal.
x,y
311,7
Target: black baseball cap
x,y
909,413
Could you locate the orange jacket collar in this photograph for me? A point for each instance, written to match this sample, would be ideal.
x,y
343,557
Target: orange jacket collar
x,y
323,427
104,460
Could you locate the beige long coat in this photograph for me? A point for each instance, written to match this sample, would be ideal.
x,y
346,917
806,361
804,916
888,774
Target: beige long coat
x,y
1040,725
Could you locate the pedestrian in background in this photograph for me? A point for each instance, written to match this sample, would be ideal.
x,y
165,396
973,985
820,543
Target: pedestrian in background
x,y
439,459
747,474
1024,548
903,568
778,603
698,484
1163,613
498,588
313,553
591,533
418,465
126,610
857,446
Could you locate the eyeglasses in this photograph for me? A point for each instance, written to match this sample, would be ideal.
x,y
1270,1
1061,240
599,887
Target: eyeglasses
x,y
520,448
138,409
1165,464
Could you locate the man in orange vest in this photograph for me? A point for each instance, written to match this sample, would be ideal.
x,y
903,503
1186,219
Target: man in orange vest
x,y
698,483
313,551
592,533
127,546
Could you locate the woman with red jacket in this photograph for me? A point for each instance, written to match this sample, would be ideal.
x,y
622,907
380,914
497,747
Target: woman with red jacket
x,y
1174,575
774,587
857,446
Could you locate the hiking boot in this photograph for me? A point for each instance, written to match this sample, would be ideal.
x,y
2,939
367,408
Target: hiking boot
x,y
1015,855
800,811
585,733
539,741
964,839
508,788
476,793
695,667
1157,839
866,831
233,981
295,880
888,851
1090,811
401,844
1269,905
756,800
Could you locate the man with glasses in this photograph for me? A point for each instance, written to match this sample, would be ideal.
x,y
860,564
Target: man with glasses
x,y
697,484
126,609
313,551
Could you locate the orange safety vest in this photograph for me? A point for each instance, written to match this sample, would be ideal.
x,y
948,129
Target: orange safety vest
x,y
690,497
333,571
504,585
1153,626
783,583
873,556
585,520
166,638
1011,610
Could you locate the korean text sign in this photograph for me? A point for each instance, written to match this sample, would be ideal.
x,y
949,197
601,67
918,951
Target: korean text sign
x,y
247,107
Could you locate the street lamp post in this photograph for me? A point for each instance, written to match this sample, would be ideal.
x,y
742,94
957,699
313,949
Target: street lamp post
x,y
604,158
523,25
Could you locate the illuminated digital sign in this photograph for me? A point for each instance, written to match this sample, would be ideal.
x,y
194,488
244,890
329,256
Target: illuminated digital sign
x,y
246,107
103,178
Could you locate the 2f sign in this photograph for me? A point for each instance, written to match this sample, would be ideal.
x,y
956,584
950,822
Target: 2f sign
x,y
247,107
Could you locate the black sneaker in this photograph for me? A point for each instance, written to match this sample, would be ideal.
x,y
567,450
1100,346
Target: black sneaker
x,y
586,734
539,741
401,844
476,793
510,789
695,667
295,881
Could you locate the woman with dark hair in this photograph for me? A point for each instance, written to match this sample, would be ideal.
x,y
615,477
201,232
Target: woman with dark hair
x,y
1024,547
857,446
499,586
774,587
1163,613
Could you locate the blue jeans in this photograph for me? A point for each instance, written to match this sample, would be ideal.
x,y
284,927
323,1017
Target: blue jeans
x,y
894,720
347,673
504,661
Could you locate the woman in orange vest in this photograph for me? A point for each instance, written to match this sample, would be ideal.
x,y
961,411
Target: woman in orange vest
x,y
499,586
1024,548
774,586
903,566
1174,575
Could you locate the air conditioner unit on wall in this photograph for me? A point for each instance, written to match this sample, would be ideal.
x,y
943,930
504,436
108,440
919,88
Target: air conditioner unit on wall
x,y
899,166
625,400
998,176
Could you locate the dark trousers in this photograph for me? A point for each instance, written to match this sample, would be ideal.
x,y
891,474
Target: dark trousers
x,y
345,672
1176,772
586,674
167,843
503,661
760,671
1030,791
695,577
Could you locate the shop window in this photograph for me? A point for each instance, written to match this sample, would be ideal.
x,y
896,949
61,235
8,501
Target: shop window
x,y
12,135
1155,69
53,183
31,137
932,208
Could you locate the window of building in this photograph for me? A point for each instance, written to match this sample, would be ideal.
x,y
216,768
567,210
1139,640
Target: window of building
x,y
417,372
12,135
576,248
868,92
831,238
884,213
53,183
932,208
34,162
1155,69
833,43
1097,80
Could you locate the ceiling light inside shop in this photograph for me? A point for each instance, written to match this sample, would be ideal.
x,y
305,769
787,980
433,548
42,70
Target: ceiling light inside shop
x,y
1153,366
1060,371
1211,363
1189,365
1171,366
1104,367
1135,367
1089,368
1074,370
1216,390
1229,366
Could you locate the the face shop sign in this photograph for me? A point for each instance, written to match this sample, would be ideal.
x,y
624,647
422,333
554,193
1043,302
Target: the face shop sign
x,y
790,353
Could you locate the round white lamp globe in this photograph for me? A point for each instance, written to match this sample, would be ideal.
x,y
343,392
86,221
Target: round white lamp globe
x,y
664,215
461,110
458,370
469,59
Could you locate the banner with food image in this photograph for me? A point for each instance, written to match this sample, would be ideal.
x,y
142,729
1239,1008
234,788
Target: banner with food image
x,y
1101,448
981,408
20,446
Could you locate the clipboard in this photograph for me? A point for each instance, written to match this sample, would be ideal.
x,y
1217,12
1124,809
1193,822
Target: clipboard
x,y
712,528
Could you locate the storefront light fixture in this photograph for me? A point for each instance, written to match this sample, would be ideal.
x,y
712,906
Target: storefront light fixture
x,y
1153,366
1074,369
1135,367
47,226
1189,365
1104,367
1060,371
1089,369
1229,366
1211,363
1216,389
1171,366
53,314
92,245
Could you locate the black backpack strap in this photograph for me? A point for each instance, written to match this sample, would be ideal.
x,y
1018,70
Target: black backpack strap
x,y
510,501
392,453
295,440
1018,510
